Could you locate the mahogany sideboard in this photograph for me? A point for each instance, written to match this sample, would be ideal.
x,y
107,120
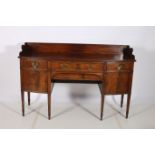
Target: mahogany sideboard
x,y
109,66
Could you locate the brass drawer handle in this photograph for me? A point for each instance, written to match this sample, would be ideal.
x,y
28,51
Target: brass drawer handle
x,y
90,68
120,67
64,66
34,65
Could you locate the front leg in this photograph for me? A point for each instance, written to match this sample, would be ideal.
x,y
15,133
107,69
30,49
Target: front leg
x,y
28,94
22,98
122,98
128,105
102,102
49,105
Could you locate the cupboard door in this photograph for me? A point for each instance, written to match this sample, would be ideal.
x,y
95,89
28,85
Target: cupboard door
x,y
34,80
111,82
123,83
117,82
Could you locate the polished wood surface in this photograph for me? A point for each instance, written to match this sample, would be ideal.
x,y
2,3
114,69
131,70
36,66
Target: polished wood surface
x,y
43,64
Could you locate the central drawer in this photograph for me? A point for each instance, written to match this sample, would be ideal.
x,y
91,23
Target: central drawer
x,y
77,67
76,76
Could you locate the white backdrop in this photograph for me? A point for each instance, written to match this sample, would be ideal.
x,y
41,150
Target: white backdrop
x,y
142,39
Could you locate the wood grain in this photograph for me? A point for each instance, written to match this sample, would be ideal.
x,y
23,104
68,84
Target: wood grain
x,y
110,66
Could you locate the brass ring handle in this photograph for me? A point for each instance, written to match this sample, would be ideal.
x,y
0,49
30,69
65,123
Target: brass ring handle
x,y
34,65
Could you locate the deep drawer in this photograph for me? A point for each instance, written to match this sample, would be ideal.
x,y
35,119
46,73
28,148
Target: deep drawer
x,y
34,80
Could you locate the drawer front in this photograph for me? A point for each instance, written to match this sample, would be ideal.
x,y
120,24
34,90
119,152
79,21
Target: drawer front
x,y
35,81
69,76
119,66
33,64
77,67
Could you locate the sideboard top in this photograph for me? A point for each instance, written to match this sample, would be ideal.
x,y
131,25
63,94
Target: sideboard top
x,y
76,51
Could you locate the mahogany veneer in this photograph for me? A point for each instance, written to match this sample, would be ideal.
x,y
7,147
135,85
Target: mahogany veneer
x,y
110,66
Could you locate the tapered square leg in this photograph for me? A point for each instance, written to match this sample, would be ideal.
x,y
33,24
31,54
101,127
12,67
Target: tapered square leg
x,y
22,98
122,99
49,106
28,94
102,103
128,105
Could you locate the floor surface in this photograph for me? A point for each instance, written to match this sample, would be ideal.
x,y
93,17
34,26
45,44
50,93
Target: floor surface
x,y
80,114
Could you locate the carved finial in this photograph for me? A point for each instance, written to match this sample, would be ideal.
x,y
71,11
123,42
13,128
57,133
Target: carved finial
x,y
127,53
25,50
24,47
